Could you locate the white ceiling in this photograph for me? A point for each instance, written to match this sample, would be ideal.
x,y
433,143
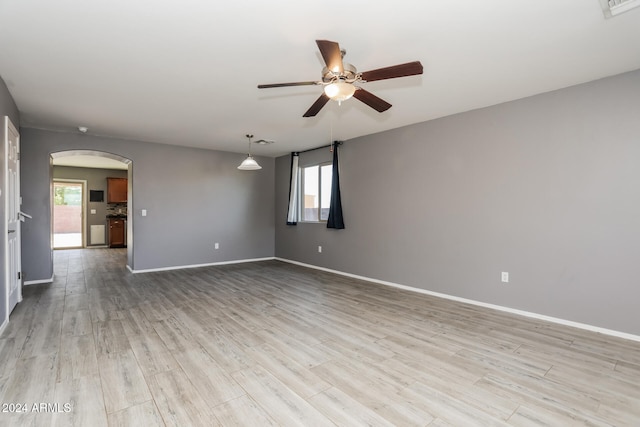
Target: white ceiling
x,y
185,72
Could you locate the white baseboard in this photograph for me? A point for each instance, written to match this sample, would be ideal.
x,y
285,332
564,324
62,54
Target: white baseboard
x,y
37,282
529,314
182,267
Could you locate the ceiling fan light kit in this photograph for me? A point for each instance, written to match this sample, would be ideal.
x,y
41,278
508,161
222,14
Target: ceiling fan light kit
x,y
339,78
339,91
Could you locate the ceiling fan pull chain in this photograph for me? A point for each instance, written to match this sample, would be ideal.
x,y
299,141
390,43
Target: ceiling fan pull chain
x,y
331,134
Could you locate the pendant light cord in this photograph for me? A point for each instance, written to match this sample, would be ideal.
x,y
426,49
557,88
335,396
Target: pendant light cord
x,y
249,136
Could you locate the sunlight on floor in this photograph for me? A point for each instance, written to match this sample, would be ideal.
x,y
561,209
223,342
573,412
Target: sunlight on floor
x,y
67,240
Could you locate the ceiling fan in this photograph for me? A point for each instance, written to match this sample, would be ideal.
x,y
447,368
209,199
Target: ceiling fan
x,y
338,79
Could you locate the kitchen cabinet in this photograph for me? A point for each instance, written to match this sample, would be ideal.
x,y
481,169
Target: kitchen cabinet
x,y
116,190
117,233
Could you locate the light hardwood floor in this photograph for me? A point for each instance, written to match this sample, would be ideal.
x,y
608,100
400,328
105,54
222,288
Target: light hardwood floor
x,y
270,343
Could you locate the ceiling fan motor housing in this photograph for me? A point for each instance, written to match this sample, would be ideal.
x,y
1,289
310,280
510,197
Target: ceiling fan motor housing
x,y
349,75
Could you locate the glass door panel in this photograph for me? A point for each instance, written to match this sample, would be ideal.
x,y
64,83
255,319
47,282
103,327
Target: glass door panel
x,y
67,214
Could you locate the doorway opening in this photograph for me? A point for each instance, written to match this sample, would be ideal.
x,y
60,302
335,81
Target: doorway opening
x,y
68,214
100,203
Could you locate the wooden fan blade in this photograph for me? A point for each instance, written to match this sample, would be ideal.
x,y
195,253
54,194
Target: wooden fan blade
x,y
331,54
317,106
371,100
288,84
401,70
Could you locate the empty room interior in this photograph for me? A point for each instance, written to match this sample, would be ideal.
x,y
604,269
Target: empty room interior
x,y
279,213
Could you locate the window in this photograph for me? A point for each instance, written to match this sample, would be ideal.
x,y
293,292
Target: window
x,y
316,192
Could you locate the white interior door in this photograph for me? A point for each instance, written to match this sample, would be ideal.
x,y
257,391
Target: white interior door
x,y
12,211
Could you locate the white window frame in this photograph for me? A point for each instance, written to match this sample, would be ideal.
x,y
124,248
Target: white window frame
x,y
301,193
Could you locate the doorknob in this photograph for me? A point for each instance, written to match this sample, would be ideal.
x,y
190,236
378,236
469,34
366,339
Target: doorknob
x,y
11,231
22,216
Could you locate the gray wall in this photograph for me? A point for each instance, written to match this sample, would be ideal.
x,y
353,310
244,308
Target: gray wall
x,y
546,188
193,197
96,180
7,108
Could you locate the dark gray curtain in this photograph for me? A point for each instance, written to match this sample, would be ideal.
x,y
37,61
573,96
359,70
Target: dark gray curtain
x,y
335,219
292,211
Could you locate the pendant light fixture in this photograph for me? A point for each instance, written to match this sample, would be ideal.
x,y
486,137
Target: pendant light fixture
x,y
249,164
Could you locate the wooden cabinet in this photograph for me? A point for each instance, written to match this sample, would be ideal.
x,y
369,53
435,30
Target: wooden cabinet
x,y
117,233
116,190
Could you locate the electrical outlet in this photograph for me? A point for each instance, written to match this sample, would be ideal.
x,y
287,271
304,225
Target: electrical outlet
x,y
505,277
216,245
319,249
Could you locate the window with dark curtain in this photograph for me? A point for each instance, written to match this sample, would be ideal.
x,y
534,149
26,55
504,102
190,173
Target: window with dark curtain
x,y
335,219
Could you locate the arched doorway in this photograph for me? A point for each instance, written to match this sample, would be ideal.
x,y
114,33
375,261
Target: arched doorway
x,y
83,207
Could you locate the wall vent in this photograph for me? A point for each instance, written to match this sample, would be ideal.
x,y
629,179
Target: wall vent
x,y
612,8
